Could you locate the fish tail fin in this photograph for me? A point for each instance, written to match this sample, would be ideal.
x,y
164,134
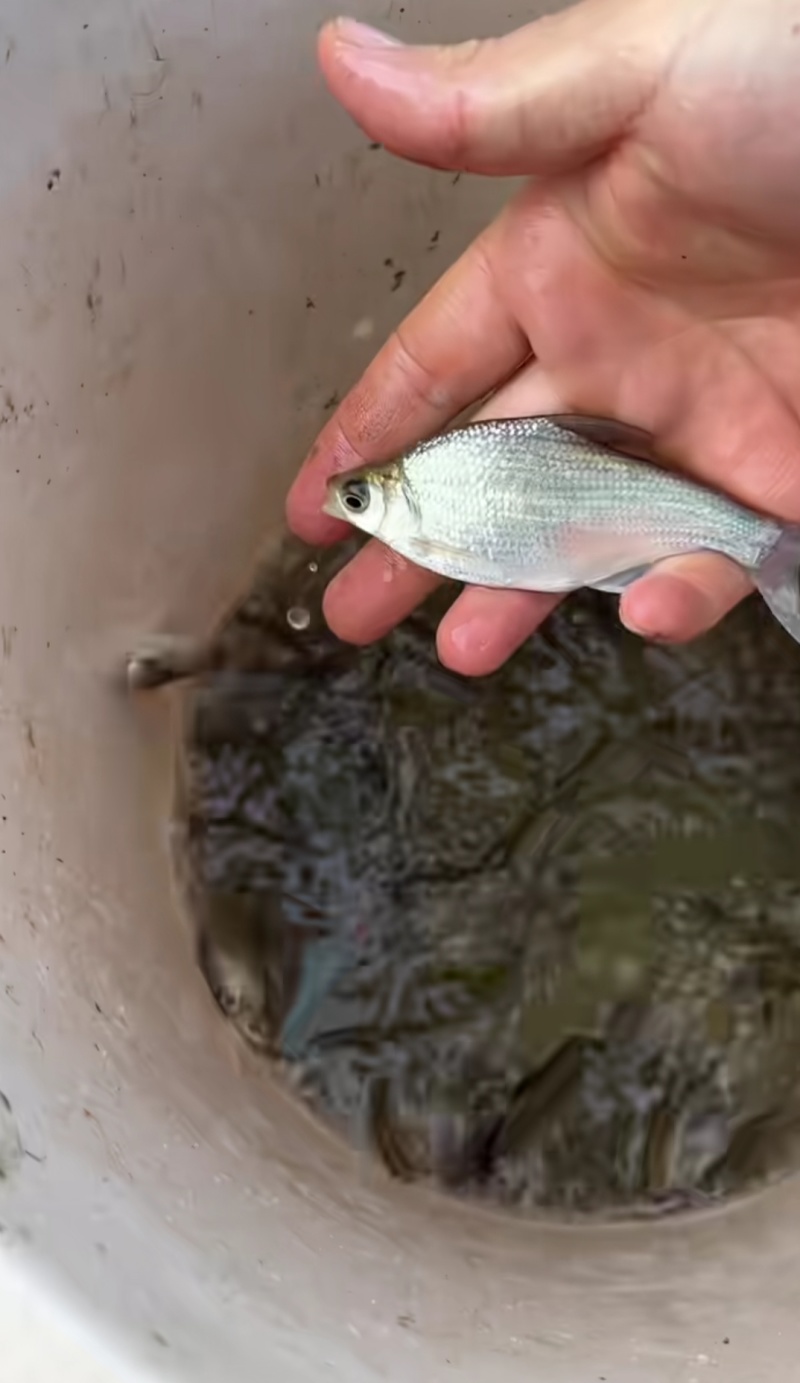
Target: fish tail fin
x,y
778,580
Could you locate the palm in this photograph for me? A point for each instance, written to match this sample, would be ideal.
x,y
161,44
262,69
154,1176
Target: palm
x,y
657,284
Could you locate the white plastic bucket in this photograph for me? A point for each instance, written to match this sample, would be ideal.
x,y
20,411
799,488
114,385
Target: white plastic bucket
x,y
192,247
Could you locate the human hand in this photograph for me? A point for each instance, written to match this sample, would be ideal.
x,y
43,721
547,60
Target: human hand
x,y
650,273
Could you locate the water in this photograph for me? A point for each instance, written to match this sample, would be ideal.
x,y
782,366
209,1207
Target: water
x,y
536,937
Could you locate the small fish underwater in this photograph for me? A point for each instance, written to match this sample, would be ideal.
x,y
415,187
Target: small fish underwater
x,y
558,503
533,938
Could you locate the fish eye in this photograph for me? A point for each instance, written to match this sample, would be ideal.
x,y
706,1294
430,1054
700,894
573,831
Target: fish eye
x,y
355,496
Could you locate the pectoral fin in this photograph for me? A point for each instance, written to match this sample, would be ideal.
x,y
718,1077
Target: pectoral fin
x,y
454,562
427,548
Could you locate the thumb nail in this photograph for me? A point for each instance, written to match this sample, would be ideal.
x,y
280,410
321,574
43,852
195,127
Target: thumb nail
x,y
357,35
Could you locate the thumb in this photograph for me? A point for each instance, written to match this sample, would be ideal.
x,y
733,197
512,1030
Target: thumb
x,y
545,99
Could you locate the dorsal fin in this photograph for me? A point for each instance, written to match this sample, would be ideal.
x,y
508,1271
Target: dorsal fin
x,y
609,432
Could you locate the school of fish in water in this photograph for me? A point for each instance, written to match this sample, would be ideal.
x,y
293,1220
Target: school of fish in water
x,y
536,936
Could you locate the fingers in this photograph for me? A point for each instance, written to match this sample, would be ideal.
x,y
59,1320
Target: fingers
x,y
545,99
679,600
683,597
379,589
373,593
484,627
456,345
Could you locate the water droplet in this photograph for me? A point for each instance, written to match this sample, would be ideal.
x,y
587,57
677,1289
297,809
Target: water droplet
x,y
297,617
313,566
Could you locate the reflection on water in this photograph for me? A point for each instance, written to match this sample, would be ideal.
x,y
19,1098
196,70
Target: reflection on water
x,y
536,937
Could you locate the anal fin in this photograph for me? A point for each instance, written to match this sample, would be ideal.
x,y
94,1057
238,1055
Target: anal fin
x,y
620,580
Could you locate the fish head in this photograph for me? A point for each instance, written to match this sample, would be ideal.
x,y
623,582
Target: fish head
x,y
366,498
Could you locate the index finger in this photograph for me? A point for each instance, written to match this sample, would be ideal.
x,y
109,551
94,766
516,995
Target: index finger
x,y
459,342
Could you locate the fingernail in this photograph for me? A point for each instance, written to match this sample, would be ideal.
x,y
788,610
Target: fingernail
x,y
357,35
641,630
665,640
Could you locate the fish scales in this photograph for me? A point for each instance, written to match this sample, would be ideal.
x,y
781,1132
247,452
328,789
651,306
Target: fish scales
x,y
556,503
537,484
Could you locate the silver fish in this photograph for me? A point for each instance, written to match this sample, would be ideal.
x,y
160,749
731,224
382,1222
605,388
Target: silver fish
x,y
556,503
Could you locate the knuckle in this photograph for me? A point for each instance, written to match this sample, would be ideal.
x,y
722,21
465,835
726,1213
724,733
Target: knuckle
x,y
465,68
419,378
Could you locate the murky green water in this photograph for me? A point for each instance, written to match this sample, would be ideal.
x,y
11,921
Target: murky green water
x,y
536,937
